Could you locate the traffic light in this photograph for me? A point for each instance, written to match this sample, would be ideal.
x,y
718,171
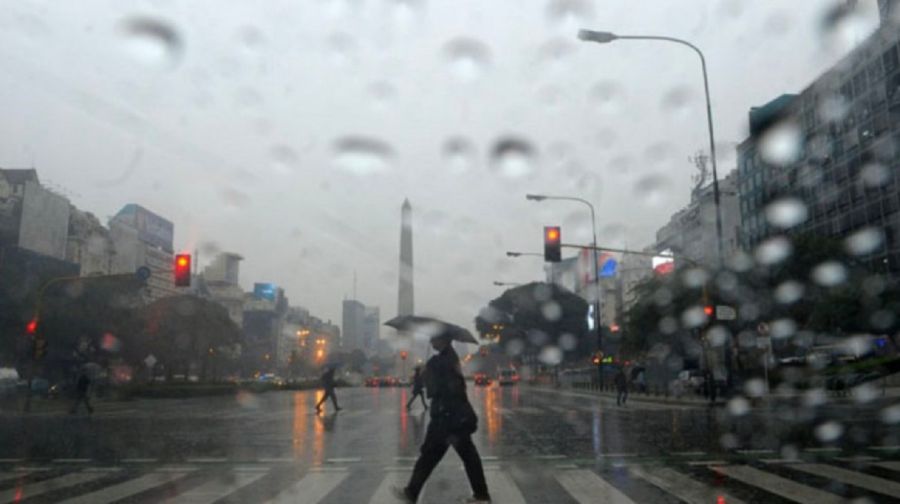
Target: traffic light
x,y
596,360
31,327
183,270
404,354
40,347
709,311
552,244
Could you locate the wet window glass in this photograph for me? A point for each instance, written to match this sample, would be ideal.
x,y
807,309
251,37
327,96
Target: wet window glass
x,y
601,250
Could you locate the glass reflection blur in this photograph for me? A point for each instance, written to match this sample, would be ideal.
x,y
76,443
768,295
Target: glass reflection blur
x,y
404,417
298,430
318,448
493,402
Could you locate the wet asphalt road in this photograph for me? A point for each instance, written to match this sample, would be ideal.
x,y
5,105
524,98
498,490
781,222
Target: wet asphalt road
x,y
524,435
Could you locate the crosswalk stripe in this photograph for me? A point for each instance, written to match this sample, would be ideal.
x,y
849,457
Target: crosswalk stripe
x,y
383,494
312,488
211,491
6,476
854,478
892,465
127,488
779,486
587,487
49,485
681,486
502,488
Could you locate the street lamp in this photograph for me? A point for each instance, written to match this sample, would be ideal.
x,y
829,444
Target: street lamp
x,y
602,37
544,197
506,284
520,254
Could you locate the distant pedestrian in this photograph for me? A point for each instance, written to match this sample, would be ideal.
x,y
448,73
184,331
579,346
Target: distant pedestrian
x,y
621,382
328,385
452,423
82,386
418,386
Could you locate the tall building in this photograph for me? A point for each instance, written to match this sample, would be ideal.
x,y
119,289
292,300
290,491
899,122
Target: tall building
x,y
691,231
264,320
846,171
89,244
371,330
31,216
220,280
143,238
405,293
353,325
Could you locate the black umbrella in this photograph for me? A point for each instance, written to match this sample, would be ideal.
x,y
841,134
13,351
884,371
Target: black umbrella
x,y
431,326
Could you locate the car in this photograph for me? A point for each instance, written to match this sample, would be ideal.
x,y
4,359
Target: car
x,y
507,377
482,380
372,381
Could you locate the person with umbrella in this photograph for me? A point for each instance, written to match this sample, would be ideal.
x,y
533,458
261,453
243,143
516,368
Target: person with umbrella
x,y
452,418
418,385
328,384
82,385
621,382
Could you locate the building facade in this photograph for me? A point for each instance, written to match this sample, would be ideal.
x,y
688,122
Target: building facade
x,y
846,172
220,279
90,244
353,322
31,216
143,238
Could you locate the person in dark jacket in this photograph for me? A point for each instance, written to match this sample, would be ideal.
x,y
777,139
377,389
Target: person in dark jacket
x,y
418,386
328,385
81,394
452,423
621,382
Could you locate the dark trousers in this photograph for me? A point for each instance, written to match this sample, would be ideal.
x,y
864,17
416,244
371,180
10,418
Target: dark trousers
x,y
622,396
329,392
416,393
437,441
82,398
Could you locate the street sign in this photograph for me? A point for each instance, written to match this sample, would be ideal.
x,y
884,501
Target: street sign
x,y
725,312
143,273
150,361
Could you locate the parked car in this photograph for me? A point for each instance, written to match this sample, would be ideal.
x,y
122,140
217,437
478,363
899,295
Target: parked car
x,y
507,377
482,380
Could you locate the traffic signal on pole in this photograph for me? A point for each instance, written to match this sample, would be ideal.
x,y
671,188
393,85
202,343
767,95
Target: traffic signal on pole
x,y
404,354
31,327
40,347
183,270
709,311
552,244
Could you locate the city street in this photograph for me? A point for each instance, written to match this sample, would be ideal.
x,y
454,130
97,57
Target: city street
x,y
538,446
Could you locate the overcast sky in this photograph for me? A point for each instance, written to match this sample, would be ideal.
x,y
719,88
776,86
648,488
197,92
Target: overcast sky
x,y
291,131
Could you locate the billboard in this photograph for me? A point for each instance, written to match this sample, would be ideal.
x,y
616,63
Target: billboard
x,y
152,228
606,266
265,291
664,263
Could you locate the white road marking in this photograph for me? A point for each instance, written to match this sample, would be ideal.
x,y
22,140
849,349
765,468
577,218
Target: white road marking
x,y
781,461
71,461
9,461
207,460
681,486
6,476
857,458
587,487
689,453
821,450
502,488
343,460
211,491
281,460
756,452
886,448
383,494
549,457
139,460
41,487
706,462
617,455
127,488
312,488
779,486
858,479
892,465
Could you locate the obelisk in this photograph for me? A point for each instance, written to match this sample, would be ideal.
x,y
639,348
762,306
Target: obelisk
x,y
405,294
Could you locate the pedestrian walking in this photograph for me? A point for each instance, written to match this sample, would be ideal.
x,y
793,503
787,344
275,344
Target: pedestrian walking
x,y
82,386
328,384
452,423
418,386
621,382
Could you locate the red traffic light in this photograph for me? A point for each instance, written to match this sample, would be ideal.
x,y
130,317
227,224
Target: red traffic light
x,y
552,244
404,354
183,270
31,327
596,360
709,310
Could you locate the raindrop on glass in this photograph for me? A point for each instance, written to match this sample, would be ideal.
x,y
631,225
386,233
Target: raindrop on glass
x,y
651,190
829,431
891,414
843,25
668,325
773,251
786,212
875,175
695,277
551,97
829,274
550,355
606,138
781,144
677,101
865,241
513,158
234,198
342,49
284,159
783,328
552,311
153,42
789,292
467,59
755,387
382,94
568,342
833,108
739,406
693,317
362,155
607,97
569,13
864,393
459,155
